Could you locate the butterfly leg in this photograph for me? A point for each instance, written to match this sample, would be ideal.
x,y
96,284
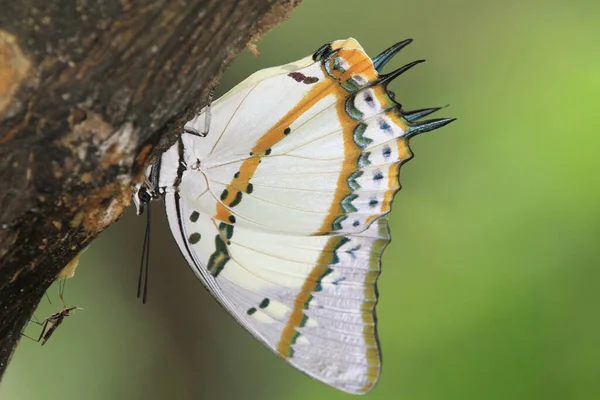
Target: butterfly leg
x,y
207,117
144,264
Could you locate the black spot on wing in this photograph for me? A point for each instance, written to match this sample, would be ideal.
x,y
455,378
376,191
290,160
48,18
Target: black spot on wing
x,y
387,152
363,159
297,76
264,303
220,256
237,199
336,225
226,230
194,238
322,52
369,100
224,194
384,126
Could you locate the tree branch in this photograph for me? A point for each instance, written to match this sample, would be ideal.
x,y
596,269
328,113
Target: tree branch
x,y
88,92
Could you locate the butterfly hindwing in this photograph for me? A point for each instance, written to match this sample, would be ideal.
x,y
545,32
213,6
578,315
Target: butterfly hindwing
x,y
310,299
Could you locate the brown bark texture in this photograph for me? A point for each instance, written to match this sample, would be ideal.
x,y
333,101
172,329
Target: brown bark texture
x,y
89,93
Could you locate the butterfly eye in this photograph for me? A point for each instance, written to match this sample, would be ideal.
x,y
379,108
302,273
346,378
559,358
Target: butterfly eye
x,y
144,196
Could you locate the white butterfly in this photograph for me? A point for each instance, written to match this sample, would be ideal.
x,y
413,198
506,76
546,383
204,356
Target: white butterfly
x,y
281,209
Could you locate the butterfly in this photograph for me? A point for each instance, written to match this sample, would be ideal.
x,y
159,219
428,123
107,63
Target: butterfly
x,y
277,195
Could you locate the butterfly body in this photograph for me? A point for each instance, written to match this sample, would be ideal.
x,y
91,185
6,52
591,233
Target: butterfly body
x,y
281,208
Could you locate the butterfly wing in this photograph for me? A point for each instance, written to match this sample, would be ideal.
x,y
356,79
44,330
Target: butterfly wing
x,y
281,209
310,299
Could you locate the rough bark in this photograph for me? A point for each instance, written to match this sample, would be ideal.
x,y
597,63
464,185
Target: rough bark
x,y
89,91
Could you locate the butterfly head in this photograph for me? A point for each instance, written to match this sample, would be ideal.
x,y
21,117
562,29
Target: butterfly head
x,y
142,197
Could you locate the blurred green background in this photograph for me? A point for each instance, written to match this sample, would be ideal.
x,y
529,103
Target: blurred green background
x,y
491,287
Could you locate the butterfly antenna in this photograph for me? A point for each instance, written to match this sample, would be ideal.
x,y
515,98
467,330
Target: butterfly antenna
x,y
207,117
145,250
48,297
140,275
148,220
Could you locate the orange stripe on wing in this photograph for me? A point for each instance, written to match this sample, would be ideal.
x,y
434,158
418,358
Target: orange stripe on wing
x,y
297,316
351,154
268,140
360,63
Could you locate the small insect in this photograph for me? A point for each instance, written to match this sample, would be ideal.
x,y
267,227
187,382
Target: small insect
x,y
50,324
